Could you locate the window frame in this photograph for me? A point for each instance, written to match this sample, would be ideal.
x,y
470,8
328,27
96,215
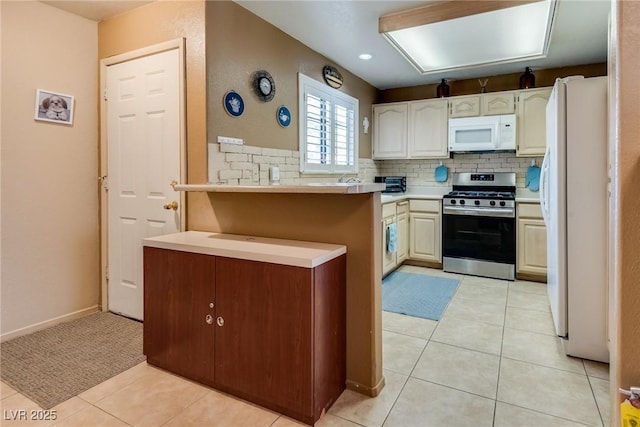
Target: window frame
x,y
307,85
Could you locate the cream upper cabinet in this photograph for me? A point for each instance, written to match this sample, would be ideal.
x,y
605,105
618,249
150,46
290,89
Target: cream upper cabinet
x,y
486,104
532,240
532,106
416,129
425,230
428,129
390,131
464,106
498,103
419,129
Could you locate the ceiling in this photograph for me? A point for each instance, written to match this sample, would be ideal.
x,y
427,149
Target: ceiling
x,y
96,10
342,30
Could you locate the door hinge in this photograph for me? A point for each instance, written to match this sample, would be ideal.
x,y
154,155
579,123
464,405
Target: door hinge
x,y
104,180
104,94
106,274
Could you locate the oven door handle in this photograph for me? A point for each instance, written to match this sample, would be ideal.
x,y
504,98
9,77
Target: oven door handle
x,y
502,212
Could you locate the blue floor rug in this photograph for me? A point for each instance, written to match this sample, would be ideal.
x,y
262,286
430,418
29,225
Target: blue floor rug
x,y
417,295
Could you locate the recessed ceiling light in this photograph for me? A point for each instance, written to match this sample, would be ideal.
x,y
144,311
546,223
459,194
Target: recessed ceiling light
x,y
504,34
365,56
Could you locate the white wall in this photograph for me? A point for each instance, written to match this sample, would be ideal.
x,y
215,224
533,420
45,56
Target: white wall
x,y
49,241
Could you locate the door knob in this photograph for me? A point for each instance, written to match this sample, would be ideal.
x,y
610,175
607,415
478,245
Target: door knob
x,y
220,321
208,319
171,205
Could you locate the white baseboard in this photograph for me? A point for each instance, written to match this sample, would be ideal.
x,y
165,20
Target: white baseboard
x,y
47,323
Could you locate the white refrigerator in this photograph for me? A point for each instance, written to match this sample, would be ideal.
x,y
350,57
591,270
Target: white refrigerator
x,y
574,201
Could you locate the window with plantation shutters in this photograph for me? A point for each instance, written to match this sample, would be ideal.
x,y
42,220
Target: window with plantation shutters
x,y
328,133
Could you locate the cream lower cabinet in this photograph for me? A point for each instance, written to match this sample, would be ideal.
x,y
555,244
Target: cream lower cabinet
x,y
532,240
425,230
402,221
397,213
389,259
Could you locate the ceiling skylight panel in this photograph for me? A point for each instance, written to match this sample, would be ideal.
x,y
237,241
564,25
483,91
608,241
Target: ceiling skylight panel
x,y
505,35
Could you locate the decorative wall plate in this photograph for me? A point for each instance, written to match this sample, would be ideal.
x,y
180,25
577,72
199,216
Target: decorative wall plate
x,y
264,85
332,76
284,116
233,103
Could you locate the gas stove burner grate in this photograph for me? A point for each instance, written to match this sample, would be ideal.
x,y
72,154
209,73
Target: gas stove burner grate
x,y
506,195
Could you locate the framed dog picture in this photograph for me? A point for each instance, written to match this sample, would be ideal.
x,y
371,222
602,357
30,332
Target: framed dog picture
x,y
54,107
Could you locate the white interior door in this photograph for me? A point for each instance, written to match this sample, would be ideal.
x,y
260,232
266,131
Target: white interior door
x,y
144,146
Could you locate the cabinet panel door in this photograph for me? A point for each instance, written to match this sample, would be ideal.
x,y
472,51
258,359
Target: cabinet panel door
x,y
388,258
403,237
428,129
390,131
465,106
532,246
263,349
424,231
532,106
179,286
498,103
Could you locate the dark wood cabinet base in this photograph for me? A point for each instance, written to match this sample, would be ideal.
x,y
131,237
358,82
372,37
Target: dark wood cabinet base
x,y
278,333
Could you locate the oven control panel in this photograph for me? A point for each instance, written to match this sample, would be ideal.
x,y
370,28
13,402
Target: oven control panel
x,y
479,203
482,177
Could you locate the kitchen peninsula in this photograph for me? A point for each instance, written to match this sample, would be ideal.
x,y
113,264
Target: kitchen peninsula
x,y
338,213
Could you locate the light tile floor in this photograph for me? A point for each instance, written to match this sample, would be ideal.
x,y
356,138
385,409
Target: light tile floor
x,y
492,360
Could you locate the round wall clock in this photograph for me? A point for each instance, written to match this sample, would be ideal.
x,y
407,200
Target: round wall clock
x,y
264,85
332,76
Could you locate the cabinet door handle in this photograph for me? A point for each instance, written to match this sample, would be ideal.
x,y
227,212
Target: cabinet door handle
x,y
220,321
208,319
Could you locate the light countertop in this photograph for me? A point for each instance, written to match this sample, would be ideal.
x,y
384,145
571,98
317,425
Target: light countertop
x,y
312,188
276,251
417,192
523,195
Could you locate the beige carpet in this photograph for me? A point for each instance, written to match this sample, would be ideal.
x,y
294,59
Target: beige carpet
x,y
52,365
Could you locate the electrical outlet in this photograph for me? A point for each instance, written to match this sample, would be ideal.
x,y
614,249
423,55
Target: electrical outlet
x,y
229,140
274,172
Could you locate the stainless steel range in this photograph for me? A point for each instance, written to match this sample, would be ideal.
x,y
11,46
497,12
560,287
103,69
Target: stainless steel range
x,y
479,225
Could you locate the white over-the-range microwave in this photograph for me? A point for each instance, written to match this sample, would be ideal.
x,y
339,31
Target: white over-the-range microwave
x,y
484,133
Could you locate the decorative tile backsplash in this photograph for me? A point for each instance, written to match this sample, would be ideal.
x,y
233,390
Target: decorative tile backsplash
x,y
422,172
248,165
